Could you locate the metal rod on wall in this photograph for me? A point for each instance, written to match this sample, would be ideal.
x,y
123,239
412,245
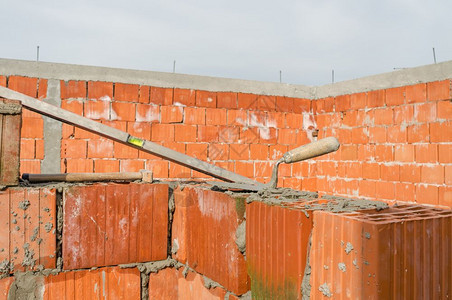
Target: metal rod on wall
x,y
37,53
434,55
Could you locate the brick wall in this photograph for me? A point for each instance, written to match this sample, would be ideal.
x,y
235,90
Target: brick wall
x,y
396,144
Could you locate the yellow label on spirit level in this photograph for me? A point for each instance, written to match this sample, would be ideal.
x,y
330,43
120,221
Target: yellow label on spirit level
x,y
135,141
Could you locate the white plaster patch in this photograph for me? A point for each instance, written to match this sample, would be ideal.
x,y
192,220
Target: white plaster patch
x,y
309,125
150,116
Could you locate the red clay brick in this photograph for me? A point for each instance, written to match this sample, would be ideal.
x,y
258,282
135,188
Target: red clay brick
x,y
397,134
164,96
244,168
348,152
376,98
100,90
171,283
162,132
123,111
367,188
20,227
73,89
301,105
425,112
267,103
172,114
73,149
194,116
30,166
247,101
2,80
405,192
284,104
75,106
218,151
384,153
418,133
106,166
293,121
216,116
395,96
32,128
24,85
410,173
342,103
107,283
185,133
42,88
228,134
97,109
426,153
278,119
207,133
178,171
131,165
440,132
371,171
184,97
403,114
227,100
27,149
159,168
239,151
360,135
5,284
287,136
374,238
210,220
236,117
389,172
416,93
445,153
444,109
144,94
377,135
358,100
445,196
365,152
439,90
206,99
101,148
432,174
383,116
126,92
404,153
147,113
343,135
141,130
197,150
100,228
78,165
427,194
124,151
259,152
263,169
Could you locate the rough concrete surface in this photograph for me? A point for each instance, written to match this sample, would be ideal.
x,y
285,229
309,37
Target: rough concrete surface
x,y
52,132
59,71
26,286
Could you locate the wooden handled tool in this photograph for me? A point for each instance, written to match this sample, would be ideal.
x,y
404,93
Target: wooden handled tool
x,y
145,176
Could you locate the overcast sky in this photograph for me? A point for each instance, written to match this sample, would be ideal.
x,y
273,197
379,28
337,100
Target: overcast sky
x,y
237,39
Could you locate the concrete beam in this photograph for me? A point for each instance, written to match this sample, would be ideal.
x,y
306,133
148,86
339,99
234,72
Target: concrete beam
x,y
60,71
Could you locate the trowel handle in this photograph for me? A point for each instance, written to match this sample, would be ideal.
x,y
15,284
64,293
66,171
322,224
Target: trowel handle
x,y
311,150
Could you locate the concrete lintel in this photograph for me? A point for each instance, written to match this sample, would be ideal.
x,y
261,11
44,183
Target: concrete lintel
x,y
397,78
60,71
158,79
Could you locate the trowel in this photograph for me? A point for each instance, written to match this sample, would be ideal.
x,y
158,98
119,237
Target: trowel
x,y
308,151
